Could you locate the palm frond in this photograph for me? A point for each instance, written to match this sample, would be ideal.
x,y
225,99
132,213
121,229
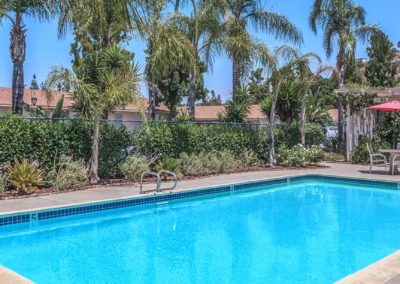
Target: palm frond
x,y
276,24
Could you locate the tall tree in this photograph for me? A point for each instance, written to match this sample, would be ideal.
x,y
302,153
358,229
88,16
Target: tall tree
x,y
16,11
258,86
34,83
305,82
243,49
167,47
286,61
104,75
103,81
381,70
342,21
204,30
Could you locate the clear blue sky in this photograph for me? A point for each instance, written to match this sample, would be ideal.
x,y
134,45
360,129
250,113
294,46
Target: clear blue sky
x,y
44,50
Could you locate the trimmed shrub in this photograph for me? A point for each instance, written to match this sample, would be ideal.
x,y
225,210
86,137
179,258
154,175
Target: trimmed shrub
x,y
298,156
134,166
248,159
192,164
314,155
3,182
173,139
69,174
43,140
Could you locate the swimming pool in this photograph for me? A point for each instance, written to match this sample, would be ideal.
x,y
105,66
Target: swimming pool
x,y
305,231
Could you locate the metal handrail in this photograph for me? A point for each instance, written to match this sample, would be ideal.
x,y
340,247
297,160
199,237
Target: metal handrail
x,y
157,175
173,176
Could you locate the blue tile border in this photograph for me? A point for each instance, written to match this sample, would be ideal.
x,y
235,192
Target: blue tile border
x,y
83,209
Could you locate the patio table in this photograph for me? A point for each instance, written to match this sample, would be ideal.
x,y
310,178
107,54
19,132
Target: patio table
x,y
392,153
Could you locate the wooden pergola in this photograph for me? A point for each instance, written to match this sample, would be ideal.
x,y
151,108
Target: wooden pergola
x,y
363,123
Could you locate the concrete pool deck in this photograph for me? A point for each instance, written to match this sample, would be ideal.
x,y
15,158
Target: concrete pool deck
x,y
384,271
101,194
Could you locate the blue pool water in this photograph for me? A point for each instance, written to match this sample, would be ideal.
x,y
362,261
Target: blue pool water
x,y
310,232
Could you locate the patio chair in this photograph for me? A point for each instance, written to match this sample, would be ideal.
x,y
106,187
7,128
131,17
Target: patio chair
x,y
376,159
395,163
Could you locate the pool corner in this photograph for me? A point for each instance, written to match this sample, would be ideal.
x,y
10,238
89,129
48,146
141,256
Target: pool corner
x,y
10,277
386,270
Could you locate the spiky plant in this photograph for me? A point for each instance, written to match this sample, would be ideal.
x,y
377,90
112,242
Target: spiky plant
x,y
25,176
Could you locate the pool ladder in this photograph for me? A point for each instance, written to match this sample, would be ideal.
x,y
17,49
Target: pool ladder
x,y
159,181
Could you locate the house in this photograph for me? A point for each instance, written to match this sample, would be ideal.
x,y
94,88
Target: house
x,y
130,115
36,99
213,113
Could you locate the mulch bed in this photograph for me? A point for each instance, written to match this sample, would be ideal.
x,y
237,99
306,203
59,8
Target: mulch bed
x,y
13,194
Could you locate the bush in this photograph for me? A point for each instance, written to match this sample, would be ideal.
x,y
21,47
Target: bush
x,y
249,159
207,163
4,176
170,164
289,134
134,166
173,139
42,140
314,154
3,181
25,176
228,162
192,164
69,174
360,154
298,156
334,157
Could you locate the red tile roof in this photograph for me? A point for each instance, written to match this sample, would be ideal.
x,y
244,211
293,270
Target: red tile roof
x,y
46,100
210,113
334,114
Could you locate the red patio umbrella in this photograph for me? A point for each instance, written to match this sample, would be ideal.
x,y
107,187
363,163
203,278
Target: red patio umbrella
x,y
390,106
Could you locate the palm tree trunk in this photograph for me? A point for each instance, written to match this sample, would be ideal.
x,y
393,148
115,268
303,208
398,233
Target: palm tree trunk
x,y
192,94
17,52
341,69
18,87
94,166
303,119
152,102
235,76
271,141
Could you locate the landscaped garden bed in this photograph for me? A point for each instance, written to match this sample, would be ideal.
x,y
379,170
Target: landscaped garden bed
x,y
46,157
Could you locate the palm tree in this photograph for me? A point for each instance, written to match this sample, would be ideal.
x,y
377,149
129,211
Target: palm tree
x,y
305,81
168,47
286,60
243,48
343,21
104,75
204,29
15,11
105,80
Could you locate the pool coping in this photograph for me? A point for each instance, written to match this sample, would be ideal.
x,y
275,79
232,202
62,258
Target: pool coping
x,y
386,270
8,276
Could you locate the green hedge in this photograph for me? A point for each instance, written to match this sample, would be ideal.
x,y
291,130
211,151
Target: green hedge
x,y
44,140
171,140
